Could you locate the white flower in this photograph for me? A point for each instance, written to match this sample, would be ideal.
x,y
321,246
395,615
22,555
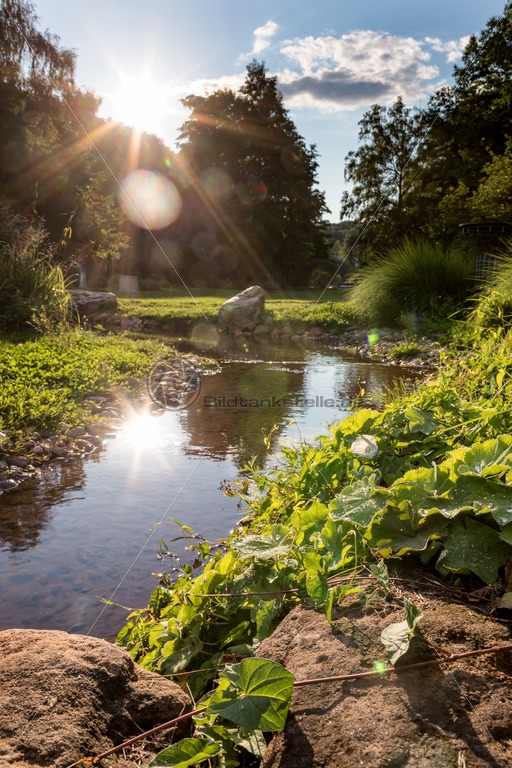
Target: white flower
x,y
365,446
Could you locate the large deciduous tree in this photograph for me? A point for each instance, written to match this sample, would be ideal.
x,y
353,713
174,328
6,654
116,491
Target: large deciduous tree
x,y
427,172
383,172
53,147
252,210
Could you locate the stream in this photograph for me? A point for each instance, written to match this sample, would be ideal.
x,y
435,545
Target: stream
x,y
91,528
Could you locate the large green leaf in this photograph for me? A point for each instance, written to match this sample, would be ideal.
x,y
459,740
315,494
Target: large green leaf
x,y
359,503
428,480
309,520
484,495
360,421
255,694
402,528
488,458
276,544
472,545
420,421
177,654
186,753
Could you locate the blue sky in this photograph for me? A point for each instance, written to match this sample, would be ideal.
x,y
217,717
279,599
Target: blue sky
x,y
333,58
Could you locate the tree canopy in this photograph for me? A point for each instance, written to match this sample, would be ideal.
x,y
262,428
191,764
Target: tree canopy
x,y
252,210
59,162
424,172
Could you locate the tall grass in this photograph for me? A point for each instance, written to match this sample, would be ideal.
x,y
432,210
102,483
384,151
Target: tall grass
x,y
493,308
418,278
32,290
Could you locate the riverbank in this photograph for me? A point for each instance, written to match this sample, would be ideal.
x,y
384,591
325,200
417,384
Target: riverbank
x,y
428,479
62,393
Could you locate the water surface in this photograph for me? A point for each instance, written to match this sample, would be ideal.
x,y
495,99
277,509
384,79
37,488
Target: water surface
x,y
90,529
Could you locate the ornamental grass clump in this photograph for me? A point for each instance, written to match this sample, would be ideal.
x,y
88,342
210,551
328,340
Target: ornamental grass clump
x,y
32,290
417,278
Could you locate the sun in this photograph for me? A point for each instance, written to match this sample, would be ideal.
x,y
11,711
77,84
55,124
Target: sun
x,y
140,102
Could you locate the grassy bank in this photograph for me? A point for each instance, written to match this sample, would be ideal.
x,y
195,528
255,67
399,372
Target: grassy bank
x,y
298,309
45,380
429,477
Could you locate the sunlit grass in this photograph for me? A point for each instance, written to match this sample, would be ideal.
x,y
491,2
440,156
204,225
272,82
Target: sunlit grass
x,y
297,308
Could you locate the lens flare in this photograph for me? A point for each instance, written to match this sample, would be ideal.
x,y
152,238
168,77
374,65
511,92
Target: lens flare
x,y
149,199
373,338
252,192
216,183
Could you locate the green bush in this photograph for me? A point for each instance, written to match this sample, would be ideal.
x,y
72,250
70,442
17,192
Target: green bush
x,y
418,278
32,290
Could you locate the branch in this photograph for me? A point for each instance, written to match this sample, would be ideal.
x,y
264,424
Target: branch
x,y
163,727
420,664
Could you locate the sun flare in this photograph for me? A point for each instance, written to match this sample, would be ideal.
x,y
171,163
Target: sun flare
x,y
140,102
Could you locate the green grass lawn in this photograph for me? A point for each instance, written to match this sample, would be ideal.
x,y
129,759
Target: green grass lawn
x,y
297,308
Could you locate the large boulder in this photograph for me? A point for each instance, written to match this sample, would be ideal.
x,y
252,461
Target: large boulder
x,y
65,697
89,303
243,311
437,716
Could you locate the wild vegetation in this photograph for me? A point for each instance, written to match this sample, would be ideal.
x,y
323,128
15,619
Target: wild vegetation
x,y
430,476
46,379
415,278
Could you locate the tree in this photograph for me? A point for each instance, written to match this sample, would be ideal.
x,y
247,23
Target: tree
x,y
383,172
470,125
251,184
422,172
50,167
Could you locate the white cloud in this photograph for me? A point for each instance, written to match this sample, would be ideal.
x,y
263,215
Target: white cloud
x,y
454,48
355,70
347,72
262,36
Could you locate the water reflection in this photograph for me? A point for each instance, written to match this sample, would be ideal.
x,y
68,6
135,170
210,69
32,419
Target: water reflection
x,y
237,409
25,513
90,529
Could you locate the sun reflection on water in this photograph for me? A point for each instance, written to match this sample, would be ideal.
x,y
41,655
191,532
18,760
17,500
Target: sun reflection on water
x,y
143,430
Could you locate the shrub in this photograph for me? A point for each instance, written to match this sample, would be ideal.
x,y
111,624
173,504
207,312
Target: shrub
x,y
418,278
32,290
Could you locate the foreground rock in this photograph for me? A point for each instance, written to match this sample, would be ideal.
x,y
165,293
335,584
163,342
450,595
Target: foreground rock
x,y
64,697
242,312
452,715
89,303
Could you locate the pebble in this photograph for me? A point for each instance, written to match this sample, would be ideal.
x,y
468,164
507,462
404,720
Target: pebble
x,y
97,428
59,452
8,485
75,432
18,461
